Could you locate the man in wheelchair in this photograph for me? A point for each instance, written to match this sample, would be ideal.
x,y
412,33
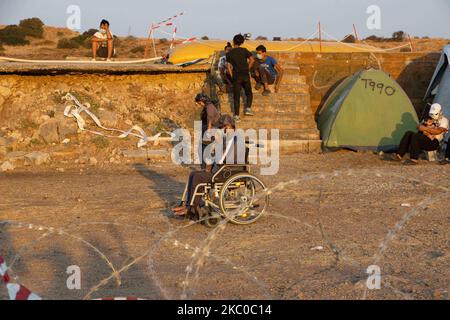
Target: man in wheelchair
x,y
227,126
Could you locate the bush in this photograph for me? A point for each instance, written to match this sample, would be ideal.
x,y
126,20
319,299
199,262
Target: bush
x,y
398,36
67,44
139,49
375,38
205,38
83,39
163,40
13,35
261,38
32,27
349,39
100,142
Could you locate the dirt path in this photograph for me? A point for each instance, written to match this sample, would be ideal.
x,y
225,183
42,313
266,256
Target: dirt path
x,y
114,224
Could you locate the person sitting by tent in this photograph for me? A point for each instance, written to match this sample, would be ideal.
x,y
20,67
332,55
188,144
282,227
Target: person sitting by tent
x,y
266,71
223,67
427,139
226,123
103,42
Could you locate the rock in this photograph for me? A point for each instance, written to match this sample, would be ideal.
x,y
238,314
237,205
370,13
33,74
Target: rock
x,y
65,141
66,127
145,154
49,131
129,122
6,166
108,118
60,169
16,156
5,92
93,161
3,142
37,158
150,117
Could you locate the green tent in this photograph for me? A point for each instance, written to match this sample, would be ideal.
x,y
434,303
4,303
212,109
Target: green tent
x,y
367,111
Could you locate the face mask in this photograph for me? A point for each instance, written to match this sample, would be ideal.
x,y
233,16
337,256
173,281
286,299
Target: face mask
x,y
103,31
259,56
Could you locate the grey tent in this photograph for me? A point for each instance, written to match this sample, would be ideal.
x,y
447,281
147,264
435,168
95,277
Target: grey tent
x,y
439,87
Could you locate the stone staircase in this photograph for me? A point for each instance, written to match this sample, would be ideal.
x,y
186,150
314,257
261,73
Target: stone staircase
x,y
289,111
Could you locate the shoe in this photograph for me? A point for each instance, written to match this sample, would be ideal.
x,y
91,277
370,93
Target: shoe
x,y
258,86
93,59
237,119
108,60
266,93
444,162
411,162
248,112
396,157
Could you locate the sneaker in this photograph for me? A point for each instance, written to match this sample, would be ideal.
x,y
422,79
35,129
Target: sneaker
x,y
248,112
258,86
237,119
396,157
411,162
266,93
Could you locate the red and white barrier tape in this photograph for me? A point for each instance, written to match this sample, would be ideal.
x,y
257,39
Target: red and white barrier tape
x,y
190,40
166,22
15,291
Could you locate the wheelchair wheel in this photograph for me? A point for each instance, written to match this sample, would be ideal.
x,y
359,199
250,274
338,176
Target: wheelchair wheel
x,y
243,198
208,219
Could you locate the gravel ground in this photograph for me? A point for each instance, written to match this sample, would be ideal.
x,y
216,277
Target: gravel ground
x,y
331,216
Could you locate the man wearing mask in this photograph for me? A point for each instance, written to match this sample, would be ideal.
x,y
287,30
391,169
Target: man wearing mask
x,y
414,143
103,42
240,61
266,71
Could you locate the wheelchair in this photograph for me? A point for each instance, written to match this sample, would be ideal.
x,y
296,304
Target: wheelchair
x,y
233,194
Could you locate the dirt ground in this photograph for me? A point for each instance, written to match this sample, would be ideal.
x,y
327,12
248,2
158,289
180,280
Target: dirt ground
x,y
115,225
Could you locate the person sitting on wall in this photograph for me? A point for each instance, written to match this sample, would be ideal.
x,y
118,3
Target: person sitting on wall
x,y
103,42
266,71
428,138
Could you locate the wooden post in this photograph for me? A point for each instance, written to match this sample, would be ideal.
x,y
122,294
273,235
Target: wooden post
x,y
147,45
411,43
320,37
355,32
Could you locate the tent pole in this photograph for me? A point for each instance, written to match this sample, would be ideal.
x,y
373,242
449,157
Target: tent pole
x,y
147,45
320,37
410,43
356,33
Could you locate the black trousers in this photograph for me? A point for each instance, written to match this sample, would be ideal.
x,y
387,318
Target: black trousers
x,y
195,178
261,74
447,151
239,82
415,142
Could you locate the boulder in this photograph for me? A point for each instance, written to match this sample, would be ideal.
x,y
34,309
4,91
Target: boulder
x,y
49,131
93,161
150,117
108,118
5,92
66,127
37,158
7,166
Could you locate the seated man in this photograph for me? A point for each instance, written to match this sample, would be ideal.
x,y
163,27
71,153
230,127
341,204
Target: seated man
x,y
103,42
428,138
266,71
204,176
225,76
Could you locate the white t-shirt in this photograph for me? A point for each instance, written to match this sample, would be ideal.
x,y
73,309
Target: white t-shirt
x,y
442,123
104,36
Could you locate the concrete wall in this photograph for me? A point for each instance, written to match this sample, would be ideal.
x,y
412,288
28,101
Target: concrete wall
x,y
323,72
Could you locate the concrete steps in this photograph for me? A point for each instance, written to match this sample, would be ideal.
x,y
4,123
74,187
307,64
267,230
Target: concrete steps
x,y
288,111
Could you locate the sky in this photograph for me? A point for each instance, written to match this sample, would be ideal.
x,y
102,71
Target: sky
x,y
223,19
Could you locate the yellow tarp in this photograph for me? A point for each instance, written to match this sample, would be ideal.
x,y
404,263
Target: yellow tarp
x,y
204,49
